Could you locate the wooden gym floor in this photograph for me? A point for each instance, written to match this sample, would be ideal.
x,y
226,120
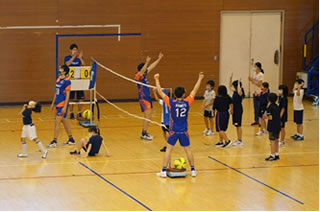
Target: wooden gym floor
x,y
236,178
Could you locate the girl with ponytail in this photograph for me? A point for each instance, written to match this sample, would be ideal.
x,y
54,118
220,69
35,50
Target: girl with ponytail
x,y
92,145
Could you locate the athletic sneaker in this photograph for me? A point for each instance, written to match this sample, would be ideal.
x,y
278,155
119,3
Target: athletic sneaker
x,y
72,116
281,143
260,133
254,123
70,142
209,133
193,173
146,137
294,136
272,158
79,115
205,131
162,174
163,149
53,144
237,143
75,152
45,154
22,155
227,144
299,138
219,144
265,132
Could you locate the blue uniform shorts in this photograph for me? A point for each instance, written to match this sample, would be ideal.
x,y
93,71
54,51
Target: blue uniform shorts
x,y
59,112
145,104
182,136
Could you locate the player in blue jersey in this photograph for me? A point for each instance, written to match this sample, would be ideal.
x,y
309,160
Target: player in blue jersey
x,y
179,108
75,59
144,93
61,102
165,117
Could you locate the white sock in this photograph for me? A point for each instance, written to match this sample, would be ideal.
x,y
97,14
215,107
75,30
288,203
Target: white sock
x,y
40,145
299,134
24,147
276,154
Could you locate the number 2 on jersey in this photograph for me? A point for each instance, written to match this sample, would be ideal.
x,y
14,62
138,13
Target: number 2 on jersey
x,y
181,112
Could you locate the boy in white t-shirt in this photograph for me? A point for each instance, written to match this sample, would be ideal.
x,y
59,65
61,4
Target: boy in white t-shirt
x,y
298,109
209,96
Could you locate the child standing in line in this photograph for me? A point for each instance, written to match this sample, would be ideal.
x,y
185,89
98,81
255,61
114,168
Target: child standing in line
x,y
237,97
221,104
209,96
165,118
283,105
29,130
298,109
263,105
273,116
92,145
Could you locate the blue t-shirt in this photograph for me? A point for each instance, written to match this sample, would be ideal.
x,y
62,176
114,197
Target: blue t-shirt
x,y
144,92
27,120
264,100
237,102
179,113
95,141
283,103
75,62
62,86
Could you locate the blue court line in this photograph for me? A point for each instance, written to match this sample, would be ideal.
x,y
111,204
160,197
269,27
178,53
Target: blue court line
x,y
86,35
286,195
96,35
140,203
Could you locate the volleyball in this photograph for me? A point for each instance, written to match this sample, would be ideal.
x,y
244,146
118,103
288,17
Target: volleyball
x,y
86,114
180,163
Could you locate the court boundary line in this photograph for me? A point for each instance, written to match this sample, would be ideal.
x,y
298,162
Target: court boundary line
x,y
256,180
110,183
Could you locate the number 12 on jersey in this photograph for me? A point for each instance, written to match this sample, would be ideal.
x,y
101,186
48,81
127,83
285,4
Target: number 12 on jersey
x,y
181,112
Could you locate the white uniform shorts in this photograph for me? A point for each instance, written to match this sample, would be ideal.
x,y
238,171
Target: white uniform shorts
x,y
29,131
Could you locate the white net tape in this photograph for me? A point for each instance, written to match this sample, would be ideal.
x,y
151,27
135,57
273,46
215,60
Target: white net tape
x,y
130,114
123,77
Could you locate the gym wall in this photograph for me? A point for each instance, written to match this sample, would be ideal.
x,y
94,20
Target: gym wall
x,y
187,32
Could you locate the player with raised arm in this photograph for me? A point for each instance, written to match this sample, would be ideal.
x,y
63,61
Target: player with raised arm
x,y
179,108
144,93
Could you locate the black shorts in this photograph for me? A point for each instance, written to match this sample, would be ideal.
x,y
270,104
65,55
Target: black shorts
x,y
273,136
282,124
80,95
237,118
165,129
298,116
222,121
262,111
208,114
91,153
